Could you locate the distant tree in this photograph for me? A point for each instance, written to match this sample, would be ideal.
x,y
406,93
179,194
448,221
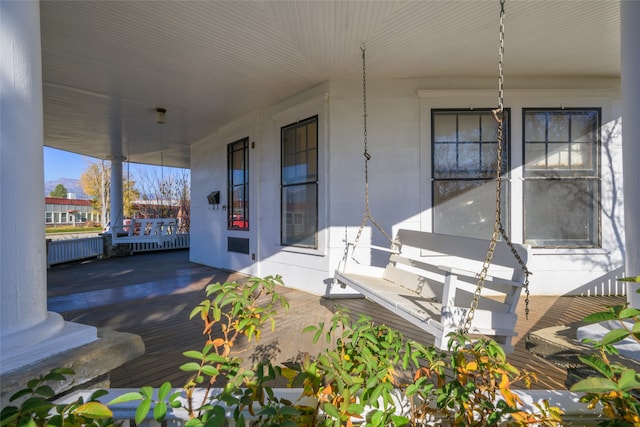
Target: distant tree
x,y
165,193
96,183
60,191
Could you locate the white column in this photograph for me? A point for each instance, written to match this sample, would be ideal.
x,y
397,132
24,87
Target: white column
x,y
24,321
117,211
630,54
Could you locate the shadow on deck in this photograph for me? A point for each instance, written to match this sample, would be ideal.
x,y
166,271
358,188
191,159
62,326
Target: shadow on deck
x,y
152,294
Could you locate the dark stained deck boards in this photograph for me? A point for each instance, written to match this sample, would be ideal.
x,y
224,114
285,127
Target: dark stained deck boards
x,y
162,319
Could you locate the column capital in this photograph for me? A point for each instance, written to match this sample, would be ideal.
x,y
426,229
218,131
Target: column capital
x,y
117,158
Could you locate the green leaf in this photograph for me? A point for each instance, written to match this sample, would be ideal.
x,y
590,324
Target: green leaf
x,y
192,354
95,410
614,336
54,376
46,391
630,279
159,411
195,311
19,394
191,366
597,364
628,380
376,418
142,410
399,421
210,370
27,422
213,357
127,397
147,392
164,390
195,422
356,408
98,394
628,313
331,410
599,317
594,385
63,371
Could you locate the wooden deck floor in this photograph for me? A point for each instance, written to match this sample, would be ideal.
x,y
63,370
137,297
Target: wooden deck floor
x,y
152,295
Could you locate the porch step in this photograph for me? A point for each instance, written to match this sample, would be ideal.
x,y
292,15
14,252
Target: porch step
x,y
559,345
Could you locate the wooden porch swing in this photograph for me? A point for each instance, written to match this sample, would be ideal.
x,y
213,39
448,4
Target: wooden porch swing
x,y
431,279
147,230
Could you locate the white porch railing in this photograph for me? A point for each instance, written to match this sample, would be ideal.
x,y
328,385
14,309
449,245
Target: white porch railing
x,y
181,241
59,251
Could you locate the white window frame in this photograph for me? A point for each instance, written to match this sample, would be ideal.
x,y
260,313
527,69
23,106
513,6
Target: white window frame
x,y
516,100
316,106
564,175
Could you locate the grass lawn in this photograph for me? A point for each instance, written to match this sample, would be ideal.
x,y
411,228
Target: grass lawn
x,y
72,230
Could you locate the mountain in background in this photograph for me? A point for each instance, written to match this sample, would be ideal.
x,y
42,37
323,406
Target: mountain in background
x,y
72,185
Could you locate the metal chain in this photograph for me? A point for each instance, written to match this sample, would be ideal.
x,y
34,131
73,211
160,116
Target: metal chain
x,y
498,228
367,212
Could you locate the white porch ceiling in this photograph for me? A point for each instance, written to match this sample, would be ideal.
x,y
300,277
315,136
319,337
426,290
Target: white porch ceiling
x,y
108,64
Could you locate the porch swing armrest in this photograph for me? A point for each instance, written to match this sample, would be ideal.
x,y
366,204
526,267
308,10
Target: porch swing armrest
x,y
474,274
378,248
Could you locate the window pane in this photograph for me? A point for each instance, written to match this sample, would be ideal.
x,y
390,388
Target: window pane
x,y
570,146
558,156
312,135
299,222
465,147
469,159
489,160
467,208
444,127
535,156
238,185
561,206
489,127
558,127
299,153
299,215
444,160
561,212
535,127
582,157
468,128
584,127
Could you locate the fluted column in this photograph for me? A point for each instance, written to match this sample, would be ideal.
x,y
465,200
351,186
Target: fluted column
x,y
116,212
630,54
27,331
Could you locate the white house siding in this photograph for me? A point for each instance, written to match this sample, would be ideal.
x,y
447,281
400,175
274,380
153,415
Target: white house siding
x,y
399,176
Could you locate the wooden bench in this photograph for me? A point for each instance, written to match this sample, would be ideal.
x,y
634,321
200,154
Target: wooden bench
x,y
430,280
151,230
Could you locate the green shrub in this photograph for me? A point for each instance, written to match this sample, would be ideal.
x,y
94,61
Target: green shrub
x,y
615,388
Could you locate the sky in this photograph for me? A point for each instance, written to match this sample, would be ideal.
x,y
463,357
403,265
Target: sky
x,y
63,164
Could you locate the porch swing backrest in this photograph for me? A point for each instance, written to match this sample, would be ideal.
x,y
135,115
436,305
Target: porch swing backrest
x,y
430,279
149,230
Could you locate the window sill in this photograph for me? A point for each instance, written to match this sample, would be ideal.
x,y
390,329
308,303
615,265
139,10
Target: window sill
x,y
302,251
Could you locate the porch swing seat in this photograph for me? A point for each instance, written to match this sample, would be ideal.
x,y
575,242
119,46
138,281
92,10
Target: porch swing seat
x,y
430,280
146,230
